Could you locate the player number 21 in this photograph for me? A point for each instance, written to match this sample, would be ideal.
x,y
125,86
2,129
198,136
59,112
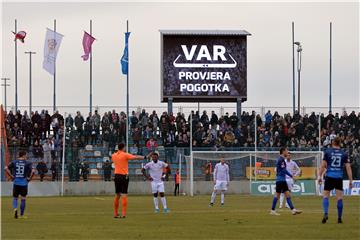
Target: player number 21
x,y
336,161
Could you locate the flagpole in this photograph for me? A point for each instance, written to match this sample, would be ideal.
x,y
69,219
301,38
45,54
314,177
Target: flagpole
x,y
54,99
127,93
16,95
30,81
91,70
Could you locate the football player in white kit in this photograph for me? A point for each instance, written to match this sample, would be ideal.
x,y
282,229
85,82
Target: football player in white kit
x,y
294,169
221,181
156,177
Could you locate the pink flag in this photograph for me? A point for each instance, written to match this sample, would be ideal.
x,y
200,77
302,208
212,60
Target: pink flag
x,y
87,42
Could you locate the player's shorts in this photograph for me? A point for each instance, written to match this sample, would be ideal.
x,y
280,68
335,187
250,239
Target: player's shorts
x,y
220,185
20,190
121,183
331,183
157,187
290,183
281,187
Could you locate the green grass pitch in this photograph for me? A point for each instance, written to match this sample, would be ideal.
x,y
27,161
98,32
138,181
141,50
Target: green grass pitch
x,y
243,217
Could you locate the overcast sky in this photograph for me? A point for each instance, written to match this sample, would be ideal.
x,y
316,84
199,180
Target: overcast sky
x,y
269,50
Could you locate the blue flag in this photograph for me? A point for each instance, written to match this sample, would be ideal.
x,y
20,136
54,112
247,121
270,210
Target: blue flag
x,y
125,57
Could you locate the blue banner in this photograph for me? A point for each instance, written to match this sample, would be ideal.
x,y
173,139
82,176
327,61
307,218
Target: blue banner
x,y
125,57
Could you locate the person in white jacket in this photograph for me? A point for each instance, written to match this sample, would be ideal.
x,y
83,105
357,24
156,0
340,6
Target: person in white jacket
x,y
294,169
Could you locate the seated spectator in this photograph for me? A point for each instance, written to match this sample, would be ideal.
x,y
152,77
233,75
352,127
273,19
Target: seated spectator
x,y
42,170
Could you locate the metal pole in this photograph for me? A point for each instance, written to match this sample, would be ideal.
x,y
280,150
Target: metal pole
x,y
91,70
54,100
127,93
199,108
293,60
319,131
16,94
5,85
30,81
298,92
191,160
63,160
330,73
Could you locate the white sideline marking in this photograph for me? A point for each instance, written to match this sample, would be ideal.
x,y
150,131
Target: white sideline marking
x,y
102,199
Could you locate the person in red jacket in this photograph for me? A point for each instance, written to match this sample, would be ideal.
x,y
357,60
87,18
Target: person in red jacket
x,y
177,183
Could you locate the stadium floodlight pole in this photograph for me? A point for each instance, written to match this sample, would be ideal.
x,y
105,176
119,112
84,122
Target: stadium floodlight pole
x,y
54,97
91,70
330,70
30,81
5,85
299,51
63,159
16,93
293,63
127,92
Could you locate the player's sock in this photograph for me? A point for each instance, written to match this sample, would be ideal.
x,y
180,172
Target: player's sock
x,y
163,201
116,205
15,203
222,198
124,205
22,207
326,205
156,203
340,208
289,202
281,200
213,195
274,203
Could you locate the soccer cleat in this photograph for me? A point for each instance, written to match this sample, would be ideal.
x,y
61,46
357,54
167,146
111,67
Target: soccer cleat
x,y
23,217
325,218
116,216
340,220
273,212
157,210
166,210
295,211
280,207
222,204
123,216
15,213
211,204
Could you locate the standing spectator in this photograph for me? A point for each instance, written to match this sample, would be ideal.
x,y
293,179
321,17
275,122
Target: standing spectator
x,y
42,169
84,171
177,181
79,121
107,168
48,146
38,152
234,120
54,170
205,120
69,122
166,171
133,120
151,145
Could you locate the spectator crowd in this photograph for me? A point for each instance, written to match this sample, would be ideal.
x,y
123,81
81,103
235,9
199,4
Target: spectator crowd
x,y
42,133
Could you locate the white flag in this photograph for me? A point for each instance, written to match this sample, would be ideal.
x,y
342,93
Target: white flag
x,y
51,47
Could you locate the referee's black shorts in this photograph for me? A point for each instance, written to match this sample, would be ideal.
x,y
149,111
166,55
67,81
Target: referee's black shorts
x,y
331,183
20,190
121,183
281,187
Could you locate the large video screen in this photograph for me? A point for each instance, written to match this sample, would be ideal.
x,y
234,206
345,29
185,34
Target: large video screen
x,y
204,68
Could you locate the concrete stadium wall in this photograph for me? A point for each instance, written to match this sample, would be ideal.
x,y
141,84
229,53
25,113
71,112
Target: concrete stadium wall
x,y
107,188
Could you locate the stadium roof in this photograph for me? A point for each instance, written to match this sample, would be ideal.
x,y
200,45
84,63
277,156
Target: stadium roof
x,y
205,32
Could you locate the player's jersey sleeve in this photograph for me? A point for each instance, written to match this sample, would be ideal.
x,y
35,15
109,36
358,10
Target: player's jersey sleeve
x,y
297,169
147,166
130,156
11,166
215,171
227,173
28,169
